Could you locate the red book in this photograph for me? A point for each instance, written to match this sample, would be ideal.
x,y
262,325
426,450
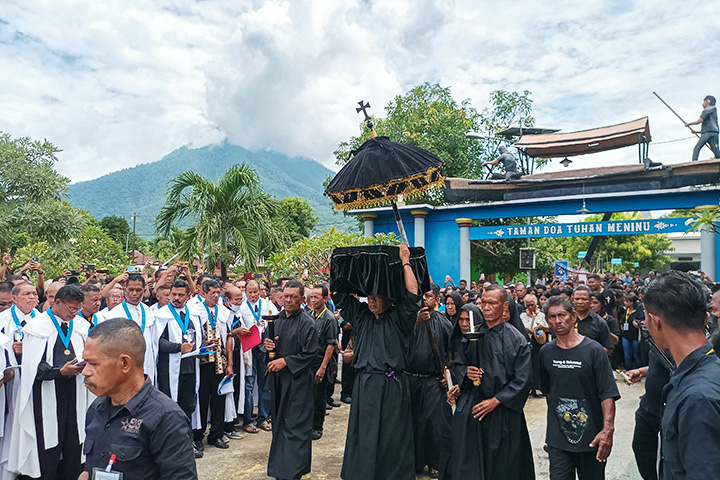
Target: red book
x,y
252,340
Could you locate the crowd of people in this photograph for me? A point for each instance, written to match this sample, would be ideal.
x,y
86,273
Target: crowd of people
x,y
140,372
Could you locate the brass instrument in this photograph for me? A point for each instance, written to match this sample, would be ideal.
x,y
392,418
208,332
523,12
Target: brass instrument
x,y
218,354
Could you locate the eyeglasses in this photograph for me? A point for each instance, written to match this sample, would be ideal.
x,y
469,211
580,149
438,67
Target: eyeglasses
x,y
5,304
72,310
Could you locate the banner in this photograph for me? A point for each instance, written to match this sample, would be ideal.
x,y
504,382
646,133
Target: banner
x,y
581,229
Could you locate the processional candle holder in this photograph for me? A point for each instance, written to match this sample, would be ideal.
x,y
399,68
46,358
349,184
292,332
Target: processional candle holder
x,y
270,319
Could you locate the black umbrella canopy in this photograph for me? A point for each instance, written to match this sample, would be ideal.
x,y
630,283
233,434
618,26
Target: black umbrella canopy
x,y
382,169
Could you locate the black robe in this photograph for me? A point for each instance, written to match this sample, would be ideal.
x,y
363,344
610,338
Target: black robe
x,y
292,396
379,443
499,446
428,397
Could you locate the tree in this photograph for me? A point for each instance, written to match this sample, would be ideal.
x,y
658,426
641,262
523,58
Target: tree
x,y
313,254
647,250
233,217
31,194
116,227
298,214
428,117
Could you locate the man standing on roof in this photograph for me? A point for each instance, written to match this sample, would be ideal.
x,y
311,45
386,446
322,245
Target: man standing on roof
x,y
709,131
509,163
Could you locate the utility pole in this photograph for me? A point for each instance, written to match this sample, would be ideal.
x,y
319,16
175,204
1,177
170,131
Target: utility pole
x,y
134,218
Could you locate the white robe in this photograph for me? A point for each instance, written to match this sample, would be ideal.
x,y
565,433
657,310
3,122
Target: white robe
x,y
7,358
224,317
40,337
149,333
7,323
164,318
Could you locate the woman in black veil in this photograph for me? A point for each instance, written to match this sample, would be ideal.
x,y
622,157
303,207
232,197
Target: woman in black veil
x,y
464,455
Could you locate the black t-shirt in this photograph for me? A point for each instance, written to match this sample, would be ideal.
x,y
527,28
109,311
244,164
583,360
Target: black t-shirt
x,y
629,330
657,377
613,325
577,380
595,328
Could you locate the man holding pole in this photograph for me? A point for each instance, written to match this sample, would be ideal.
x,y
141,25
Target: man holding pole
x,y
709,130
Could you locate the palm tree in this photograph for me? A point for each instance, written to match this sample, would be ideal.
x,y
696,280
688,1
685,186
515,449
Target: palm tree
x,y
235,219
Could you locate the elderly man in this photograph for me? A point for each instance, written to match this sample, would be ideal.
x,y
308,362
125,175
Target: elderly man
x,y
48,427
13,320
146,431
379,436
505,359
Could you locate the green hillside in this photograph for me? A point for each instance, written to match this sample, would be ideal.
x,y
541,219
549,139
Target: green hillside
x,y
141,189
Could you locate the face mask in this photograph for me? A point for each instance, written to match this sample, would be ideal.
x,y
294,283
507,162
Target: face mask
x,y
235,308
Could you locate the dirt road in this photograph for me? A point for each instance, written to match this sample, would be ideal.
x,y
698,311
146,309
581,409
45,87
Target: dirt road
x,y
246,459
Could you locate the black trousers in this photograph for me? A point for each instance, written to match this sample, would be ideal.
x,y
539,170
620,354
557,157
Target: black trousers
x,y
645,443
319,401
187,397
348,374
237,358
209,399
330,375
564,465
52,467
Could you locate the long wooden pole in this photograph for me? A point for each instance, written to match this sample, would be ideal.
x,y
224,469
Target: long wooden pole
x,y
681,119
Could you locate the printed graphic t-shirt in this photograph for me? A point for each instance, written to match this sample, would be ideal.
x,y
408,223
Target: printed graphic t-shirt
x,y
578,380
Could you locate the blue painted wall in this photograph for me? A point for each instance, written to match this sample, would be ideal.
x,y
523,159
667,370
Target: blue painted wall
x,y
442,234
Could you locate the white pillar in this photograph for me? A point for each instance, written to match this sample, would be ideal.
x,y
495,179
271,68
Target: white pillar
x,y
464,224
369,219
419,216
707,252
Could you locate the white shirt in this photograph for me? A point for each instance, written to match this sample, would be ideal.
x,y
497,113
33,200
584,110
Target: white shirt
x,y
247,309
531,322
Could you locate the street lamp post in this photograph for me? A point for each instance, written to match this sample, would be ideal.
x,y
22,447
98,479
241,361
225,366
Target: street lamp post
x,y
134,218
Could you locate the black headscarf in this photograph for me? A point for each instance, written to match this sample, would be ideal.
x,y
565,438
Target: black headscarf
x,y
458,301
456,337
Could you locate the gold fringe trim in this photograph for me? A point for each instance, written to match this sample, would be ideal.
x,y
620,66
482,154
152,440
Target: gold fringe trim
x,y
373,202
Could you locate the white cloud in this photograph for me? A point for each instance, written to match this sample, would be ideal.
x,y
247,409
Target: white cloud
x,y
117,83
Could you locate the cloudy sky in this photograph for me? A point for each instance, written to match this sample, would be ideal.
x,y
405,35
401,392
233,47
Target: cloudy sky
x,y
115,83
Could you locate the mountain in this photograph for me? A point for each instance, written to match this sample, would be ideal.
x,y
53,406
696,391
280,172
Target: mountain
x,y
142,189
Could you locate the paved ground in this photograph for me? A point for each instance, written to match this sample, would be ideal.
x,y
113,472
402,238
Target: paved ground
x,y
246,459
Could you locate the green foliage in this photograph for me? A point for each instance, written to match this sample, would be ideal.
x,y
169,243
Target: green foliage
x,y
313,254
141,189
116,227
502,256
705,219
31,207
647,250
232,218
299,217
509,109
428,117
92,246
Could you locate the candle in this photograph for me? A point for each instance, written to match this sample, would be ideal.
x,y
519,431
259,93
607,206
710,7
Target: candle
x,y
448,378
472,323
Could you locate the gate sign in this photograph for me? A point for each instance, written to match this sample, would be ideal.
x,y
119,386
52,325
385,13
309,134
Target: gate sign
x,y
581,229
561,270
